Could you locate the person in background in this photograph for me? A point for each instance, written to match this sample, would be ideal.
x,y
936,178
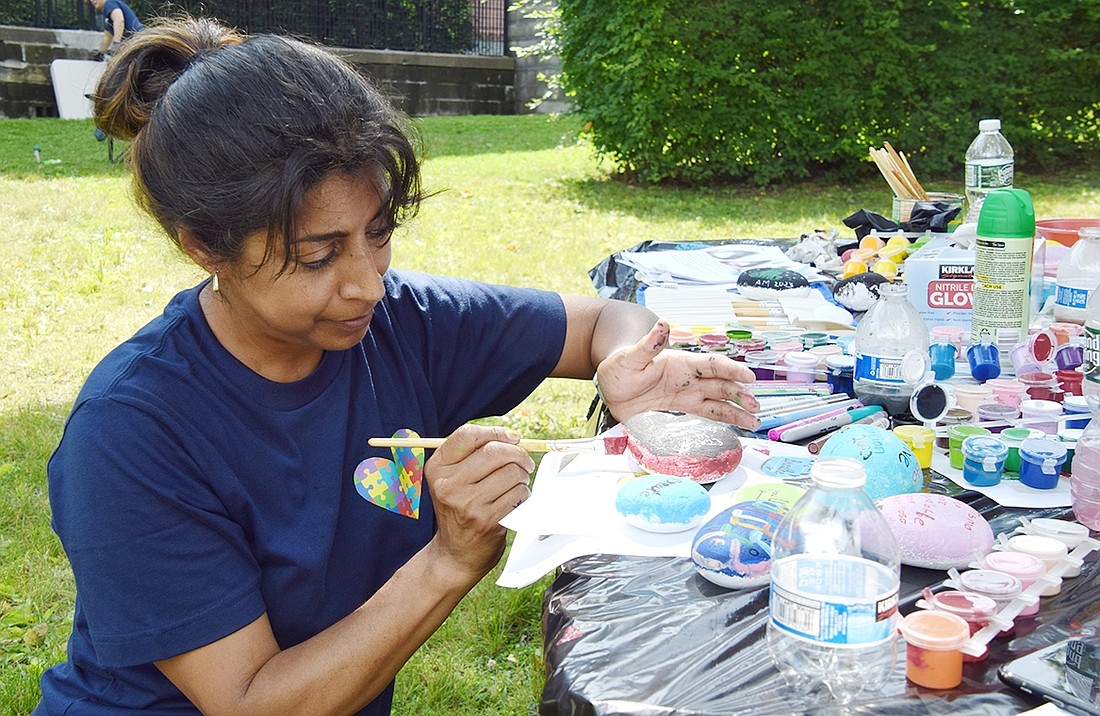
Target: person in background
x,y
237,546
119,23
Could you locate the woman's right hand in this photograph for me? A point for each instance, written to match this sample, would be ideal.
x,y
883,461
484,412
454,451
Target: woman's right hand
x,y
476,477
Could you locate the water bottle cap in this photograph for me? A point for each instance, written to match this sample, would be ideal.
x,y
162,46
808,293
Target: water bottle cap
x,y
989,125
1007,214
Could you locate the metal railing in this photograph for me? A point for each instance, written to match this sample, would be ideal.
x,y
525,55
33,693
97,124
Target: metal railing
x,y
475,27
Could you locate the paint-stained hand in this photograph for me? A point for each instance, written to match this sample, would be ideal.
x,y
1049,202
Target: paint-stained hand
x,y
645,376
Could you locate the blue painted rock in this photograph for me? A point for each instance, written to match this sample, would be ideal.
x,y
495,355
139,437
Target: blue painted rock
x,y
662,503
891,466
733,549
936,531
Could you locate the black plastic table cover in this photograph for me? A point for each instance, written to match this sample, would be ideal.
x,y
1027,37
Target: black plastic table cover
x,y
649,637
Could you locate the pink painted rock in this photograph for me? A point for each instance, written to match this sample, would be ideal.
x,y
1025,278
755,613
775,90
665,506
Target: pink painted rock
x,y
936,531
671,443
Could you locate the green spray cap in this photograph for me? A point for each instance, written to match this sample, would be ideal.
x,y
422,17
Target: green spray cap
x,y
1007,213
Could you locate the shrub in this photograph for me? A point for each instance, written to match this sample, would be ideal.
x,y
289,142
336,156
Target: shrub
x,y
770,90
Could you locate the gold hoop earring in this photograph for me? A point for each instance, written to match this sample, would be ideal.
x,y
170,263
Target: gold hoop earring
x,y
214,285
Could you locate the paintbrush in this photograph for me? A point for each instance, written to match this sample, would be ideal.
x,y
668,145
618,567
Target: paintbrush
x,y
598,445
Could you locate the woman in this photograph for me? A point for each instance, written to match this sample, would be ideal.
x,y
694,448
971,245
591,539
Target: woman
x,y
209,488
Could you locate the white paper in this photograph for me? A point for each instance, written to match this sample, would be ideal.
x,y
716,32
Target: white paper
x,y
1007,493
685,305
573,511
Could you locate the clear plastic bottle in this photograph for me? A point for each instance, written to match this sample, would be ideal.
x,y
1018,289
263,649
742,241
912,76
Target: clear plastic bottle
x,y
835,578
990,165
1085,483
1078,276
891,349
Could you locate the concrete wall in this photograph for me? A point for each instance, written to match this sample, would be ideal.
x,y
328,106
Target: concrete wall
x,y
523,32
421,83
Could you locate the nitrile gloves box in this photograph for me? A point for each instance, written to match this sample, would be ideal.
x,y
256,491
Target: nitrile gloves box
x,y
940,276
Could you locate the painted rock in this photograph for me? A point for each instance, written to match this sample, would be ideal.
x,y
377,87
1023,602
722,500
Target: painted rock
x,y
733,549
672,443
765,283
936,531
662,503
860,292
891,466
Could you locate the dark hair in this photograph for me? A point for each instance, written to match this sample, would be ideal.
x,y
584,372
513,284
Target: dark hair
x,y
231,132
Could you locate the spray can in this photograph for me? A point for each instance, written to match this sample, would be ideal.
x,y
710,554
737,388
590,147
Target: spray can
x,y
37,154
1002,269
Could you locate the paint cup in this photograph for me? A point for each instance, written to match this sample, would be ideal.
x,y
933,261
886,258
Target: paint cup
x,y
983,460
714,341
757,360
997,412
975,609
1000,587
920,440
1069,438
1041,345
985,361
1069,533
802,367
1019,356
845,342
1007,391
1040,385
738,334
1069,381
1064,332
1041,461
813,338
1078,407
969,396
1025,567
955,436
840,369
954,416
750,345
1013,438
1046,411
950,334
942,355
823,353
682,337
1049,550
1070,356
930,402
933,652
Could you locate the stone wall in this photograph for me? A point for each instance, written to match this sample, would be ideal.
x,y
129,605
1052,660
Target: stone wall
x,y
523,32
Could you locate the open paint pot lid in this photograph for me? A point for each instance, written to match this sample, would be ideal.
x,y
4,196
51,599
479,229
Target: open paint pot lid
x,y
930,402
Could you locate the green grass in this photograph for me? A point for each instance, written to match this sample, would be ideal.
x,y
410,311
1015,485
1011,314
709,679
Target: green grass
x,y
521,201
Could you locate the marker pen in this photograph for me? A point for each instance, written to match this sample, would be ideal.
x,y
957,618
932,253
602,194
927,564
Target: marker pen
x,y
825,424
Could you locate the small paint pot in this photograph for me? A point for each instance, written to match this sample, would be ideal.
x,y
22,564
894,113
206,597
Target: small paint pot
x,y
1049,550
956,434
1069,438
814,338
845,343
1000,587
1069,356
920,440
1041,345
1013,438
933,651
1069,533
840,370
823,353
949,334
1007,391
954,416
1025,567
1044,412
714,341
1078,407
942,355
930,402
1064,332
974,609
1041,461
969,396
738,334
1069,381
1019,356
750,345
802,367
757,361
985,361
999,413
681,337
1040,385
983,460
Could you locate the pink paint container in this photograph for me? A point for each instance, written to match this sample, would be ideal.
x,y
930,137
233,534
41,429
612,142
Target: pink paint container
x,y
1045,412
714,341
1000,587
1063,331
1069,381
949,334
749,345
1025,567
681,337
1007,391
1040,386
802,367
975,609
1047,549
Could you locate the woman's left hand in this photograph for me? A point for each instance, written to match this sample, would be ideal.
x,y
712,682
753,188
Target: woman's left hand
x,y
645,376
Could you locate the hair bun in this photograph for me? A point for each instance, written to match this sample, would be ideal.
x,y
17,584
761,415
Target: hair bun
x,y
138,76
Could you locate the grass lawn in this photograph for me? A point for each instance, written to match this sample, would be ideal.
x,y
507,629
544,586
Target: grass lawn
x,y
521,201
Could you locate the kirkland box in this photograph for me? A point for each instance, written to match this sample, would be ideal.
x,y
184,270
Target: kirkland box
x,y
940,277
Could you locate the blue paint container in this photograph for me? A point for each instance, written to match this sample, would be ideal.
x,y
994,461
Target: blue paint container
x,y
983,460
942,355
1076,405
840,370
985,361
1041,462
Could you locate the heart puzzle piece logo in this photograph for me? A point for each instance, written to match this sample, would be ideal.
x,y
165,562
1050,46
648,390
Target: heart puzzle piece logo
x,y
393,485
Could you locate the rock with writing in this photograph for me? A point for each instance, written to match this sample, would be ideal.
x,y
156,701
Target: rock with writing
x,y
890,464
936,531
672,443
661,503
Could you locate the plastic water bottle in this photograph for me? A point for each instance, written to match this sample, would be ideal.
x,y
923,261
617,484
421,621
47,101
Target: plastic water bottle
x,y
989,165
1002,270
891,349
835,578
1085,483
1078,275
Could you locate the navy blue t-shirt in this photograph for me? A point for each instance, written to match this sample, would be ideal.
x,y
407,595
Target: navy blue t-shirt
x,y
131,23
192,495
